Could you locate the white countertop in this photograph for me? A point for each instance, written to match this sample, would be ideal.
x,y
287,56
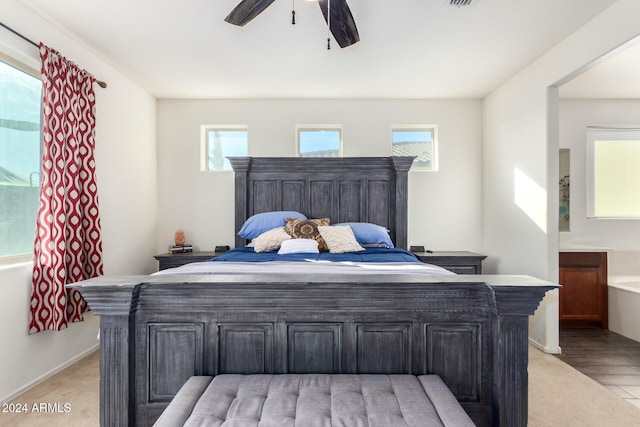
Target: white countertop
x,y
567,246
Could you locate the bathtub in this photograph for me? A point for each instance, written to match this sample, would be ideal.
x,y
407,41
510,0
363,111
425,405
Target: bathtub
x,y
624,306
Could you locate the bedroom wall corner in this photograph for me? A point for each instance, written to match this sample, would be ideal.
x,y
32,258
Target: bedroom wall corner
x,y
127,180
126,163
517,236
28,359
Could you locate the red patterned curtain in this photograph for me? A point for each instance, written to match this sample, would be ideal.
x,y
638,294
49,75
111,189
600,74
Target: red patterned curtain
x,y
68,245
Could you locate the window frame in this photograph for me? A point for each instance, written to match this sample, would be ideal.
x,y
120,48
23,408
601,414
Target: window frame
x,y
599,133
433,129
319,128
204,143
33,72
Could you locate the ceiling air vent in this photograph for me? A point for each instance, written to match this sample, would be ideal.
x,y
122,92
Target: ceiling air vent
x,y
461,3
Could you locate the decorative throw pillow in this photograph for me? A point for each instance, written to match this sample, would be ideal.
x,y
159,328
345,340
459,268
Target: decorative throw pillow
x,y
339,239
370,235
270,240
307,229
299,246
265,221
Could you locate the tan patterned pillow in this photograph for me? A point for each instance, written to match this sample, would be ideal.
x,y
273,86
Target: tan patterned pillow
x,y
339,239
307,229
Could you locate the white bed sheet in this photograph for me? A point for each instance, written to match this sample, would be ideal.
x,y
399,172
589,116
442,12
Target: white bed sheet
x,y
304,268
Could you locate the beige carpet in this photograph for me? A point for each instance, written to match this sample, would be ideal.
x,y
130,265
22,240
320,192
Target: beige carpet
x,y
78,387
559,396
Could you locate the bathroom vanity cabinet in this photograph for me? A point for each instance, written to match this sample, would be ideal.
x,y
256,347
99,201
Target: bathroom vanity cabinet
x,y
583,296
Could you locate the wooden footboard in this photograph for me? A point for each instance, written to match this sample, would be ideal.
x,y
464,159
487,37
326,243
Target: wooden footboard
x,y
157,331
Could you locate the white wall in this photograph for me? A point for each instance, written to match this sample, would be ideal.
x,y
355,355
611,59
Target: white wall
x,y
126,174
444,206
575,116
520,133
620,236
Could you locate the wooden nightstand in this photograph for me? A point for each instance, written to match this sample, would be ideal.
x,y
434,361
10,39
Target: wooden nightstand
x,y
459,262
176,260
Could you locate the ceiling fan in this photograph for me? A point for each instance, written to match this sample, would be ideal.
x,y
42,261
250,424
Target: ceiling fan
x,y
340,20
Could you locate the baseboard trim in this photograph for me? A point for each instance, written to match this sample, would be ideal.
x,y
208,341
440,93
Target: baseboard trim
x,y
545,349
49,374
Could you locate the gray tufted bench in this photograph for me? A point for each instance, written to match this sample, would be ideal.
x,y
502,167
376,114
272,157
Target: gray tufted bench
x,y
314,400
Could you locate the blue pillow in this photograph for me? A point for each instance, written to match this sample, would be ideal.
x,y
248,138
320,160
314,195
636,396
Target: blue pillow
x,y
262,222
368,234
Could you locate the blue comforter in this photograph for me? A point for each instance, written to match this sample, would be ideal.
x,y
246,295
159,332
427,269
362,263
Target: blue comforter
x,y
247,254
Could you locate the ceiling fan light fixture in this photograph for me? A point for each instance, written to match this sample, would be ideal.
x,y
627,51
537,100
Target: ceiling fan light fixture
x,y
344,30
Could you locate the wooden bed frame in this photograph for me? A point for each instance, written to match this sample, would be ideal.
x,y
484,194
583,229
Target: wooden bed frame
x,y
157,331
344,189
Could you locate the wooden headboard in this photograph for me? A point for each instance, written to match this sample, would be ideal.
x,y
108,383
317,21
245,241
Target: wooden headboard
x,y
344,189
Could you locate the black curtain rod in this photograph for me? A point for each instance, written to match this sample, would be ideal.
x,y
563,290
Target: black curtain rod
x,y
99,82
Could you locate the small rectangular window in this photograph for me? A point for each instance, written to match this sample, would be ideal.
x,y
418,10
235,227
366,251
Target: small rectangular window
x,y
319,141
220,142
418,141
613,172
20,130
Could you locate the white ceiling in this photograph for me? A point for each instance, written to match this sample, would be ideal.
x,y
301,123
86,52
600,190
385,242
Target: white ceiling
x,y
407,48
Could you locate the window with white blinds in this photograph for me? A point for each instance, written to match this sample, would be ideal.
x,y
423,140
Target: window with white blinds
x,y
613,172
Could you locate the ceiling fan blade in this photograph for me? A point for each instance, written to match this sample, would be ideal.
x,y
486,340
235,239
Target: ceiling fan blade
x,y
246,10
343,27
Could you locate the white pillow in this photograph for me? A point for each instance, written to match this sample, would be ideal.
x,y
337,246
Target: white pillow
x,y
299,246
270,240
339,239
